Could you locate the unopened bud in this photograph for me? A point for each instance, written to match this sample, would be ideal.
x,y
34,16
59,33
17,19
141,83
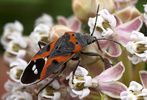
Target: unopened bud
x,y
84,9
128,14
57,31
89,59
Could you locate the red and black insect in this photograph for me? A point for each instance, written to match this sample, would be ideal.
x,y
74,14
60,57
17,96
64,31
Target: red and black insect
x,y
52,56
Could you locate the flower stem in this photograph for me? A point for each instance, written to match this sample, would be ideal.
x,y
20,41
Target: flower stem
x,y
137,68
102,96
127,76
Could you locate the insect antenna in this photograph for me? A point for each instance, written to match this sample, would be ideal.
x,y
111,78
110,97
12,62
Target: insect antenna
x,y
109,40
95,21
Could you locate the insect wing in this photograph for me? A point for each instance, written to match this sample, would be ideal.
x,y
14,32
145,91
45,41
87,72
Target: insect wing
x,y
53,64
32,72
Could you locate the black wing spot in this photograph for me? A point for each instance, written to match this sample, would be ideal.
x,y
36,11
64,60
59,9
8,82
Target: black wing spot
x,y
66,33
55,62
53,67
58,51
56,48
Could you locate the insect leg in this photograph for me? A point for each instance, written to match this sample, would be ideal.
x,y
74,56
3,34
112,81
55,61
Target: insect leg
x,y
79,59
52,79
98,44
95,54
41,43
96,40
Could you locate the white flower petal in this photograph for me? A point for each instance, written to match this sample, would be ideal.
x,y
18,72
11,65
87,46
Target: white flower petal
x,y
12,86
135,59
19,62
21,53
144,94
145,8
135,35
10,29
91,23
21,95
9,59
81,71
18,39
69,76
42,28
82,93
56,96
124,94
88,81
131,97
131,47
110,18
55,84
14,72
44,19
69,90
134,86
107,32
16,26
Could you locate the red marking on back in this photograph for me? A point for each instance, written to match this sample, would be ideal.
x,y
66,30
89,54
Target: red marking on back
x,y
77,48
59,59
73,39
51,47
45,53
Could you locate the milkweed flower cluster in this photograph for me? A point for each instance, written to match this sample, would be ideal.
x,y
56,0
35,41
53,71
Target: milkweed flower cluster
x,y
135,90
95,77
137,47
106,82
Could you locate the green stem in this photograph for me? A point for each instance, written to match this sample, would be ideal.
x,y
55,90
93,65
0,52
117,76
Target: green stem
x,y
127,76
137,68
103,96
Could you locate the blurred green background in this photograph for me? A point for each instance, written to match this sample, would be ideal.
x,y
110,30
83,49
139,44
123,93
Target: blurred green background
x,y
26,11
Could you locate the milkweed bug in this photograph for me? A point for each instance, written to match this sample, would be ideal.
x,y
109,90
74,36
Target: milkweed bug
x,y
52,56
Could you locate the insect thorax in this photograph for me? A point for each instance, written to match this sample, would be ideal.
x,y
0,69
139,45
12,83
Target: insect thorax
x,y
83,39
